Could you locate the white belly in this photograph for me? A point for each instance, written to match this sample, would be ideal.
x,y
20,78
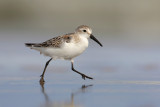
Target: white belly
x,y
68,51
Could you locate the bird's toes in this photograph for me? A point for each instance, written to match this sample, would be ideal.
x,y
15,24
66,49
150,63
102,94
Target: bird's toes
x,y
83,76
41,80
90,78
41,75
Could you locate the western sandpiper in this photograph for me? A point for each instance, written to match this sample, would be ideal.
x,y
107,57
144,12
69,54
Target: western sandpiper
x,y
65,47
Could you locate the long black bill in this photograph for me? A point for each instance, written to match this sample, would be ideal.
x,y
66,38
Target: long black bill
x,y
92,37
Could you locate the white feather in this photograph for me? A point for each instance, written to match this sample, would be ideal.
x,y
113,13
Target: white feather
x,y
68,51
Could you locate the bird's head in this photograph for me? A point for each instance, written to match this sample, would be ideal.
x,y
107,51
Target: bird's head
x,y
86,32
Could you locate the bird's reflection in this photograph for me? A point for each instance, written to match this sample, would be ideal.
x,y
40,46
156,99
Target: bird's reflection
x,y
49,103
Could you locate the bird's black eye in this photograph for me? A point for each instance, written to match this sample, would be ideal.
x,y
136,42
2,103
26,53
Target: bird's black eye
x,y
68,37
84,31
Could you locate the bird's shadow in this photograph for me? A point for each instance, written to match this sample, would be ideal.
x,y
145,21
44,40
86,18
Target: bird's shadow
x,y
70,103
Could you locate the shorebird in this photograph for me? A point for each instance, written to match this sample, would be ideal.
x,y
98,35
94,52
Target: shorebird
x,y
65,47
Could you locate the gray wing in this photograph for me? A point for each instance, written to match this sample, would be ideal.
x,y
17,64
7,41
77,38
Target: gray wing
x,y
54,42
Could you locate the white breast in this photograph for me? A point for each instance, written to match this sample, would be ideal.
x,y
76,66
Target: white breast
x,y
73,49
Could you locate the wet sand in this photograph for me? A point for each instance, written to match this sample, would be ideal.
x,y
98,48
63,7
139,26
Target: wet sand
x,y
123,77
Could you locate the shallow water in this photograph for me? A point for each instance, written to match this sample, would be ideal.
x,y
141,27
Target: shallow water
x,y
69,90
124,76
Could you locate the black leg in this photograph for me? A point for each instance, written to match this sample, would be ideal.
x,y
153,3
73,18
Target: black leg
x,y
83,75
42,80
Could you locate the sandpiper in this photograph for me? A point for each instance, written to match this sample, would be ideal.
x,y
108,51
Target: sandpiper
x,y
65,47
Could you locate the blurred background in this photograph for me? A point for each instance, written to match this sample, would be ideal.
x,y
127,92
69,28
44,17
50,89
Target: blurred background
x,y
136,22
126,68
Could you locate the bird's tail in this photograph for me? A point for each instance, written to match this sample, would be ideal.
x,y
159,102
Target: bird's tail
x,y
30,44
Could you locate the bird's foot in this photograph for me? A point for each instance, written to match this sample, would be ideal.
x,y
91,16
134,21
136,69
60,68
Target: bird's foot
x,y
85,76
41,80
